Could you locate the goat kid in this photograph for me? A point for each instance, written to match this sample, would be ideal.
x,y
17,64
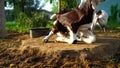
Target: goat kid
x,y
71,21
84,33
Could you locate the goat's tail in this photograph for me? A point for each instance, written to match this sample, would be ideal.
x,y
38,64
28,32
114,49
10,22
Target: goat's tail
x,y
54,16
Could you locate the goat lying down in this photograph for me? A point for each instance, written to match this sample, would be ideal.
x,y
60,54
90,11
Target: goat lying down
x,y
84,33
71,21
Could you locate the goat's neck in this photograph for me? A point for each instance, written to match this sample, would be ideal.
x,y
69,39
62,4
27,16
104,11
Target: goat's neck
x,y
82,3
95,17
94,4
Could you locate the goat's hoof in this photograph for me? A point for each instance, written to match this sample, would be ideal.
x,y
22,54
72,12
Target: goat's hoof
x,y
55,41
74,42
45,40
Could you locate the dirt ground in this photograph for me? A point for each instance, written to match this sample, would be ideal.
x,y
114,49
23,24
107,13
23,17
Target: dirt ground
x,y
21,51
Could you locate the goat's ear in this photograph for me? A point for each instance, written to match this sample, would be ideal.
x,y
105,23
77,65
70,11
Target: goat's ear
x,y
99,12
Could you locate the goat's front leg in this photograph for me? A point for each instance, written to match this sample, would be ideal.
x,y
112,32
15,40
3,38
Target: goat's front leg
x,y
45,40
70,40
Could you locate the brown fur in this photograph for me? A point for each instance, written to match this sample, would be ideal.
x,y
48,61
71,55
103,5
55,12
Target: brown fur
x,y
74,19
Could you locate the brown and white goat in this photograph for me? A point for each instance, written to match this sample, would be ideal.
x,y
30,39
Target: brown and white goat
x,y
84,33
71,21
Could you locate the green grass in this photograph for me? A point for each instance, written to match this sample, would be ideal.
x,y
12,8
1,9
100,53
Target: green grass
x,y
14,27
113,25
11,26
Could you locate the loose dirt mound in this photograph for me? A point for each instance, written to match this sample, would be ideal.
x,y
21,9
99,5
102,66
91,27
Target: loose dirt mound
x,y
33,53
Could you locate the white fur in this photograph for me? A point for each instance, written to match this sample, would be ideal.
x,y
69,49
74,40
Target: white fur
x,y
103,18
54,22
94,21
79,35
81,30
60,37
72,36
48,36
63,39
90,39
94,5
69,40
53,16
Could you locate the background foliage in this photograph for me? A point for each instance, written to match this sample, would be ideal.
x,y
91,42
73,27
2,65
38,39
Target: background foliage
x,y
26,15
115,12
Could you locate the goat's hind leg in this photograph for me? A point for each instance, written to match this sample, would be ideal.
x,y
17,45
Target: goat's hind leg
x,y
60,37
91,38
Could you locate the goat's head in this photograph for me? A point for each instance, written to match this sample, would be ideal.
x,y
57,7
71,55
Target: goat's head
x,y
102,19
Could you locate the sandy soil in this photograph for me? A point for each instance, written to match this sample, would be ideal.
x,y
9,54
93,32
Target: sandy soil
x,y
21,51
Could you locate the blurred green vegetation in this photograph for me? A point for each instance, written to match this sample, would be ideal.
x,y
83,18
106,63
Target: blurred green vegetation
x,y
65,4
23,27
113,25
25,21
